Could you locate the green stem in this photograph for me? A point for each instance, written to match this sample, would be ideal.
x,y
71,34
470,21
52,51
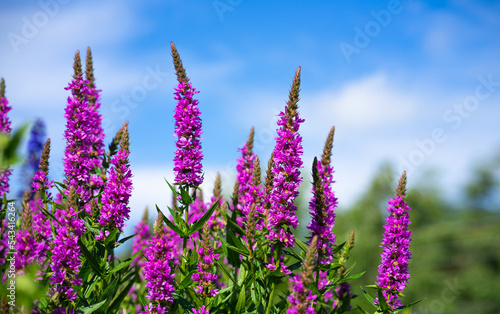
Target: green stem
x,y
184,242
271,297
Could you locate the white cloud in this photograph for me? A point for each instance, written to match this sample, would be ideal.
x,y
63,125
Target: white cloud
x,y
368,103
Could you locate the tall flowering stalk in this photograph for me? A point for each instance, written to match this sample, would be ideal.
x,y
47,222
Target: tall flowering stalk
x,y
216,222
40,179
33,239
41,184
287,163
158,269
249,190
205,277
302,299
26,251
188,156
84,136
393,269
323,203
6,129
244,169
268,188
66,261
118,188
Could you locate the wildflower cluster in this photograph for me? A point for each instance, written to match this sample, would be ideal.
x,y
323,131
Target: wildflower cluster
x,y
224,255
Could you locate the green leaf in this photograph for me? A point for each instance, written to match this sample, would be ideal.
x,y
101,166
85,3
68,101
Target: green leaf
x,y
50,215
368,297
381,301
235,226
186,305
350,278
126,238
197,225
186,198
90,257
126,262
142,300
301,244
118,301
232,239
92,308
237,250
225,270
240,305
9,146
110,290
89,227
174,190
111,238
409,305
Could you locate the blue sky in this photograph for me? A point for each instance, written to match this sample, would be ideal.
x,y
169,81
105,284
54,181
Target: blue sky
x,y
415,83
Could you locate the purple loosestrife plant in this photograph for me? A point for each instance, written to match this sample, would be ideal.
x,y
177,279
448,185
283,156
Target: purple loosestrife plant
x,y
65,249
393,269
287,163
323,203
118,188
302,299
158,270
84,136
216,222
26,246
188,156
40,187
205,277
244,170
41,182
6,129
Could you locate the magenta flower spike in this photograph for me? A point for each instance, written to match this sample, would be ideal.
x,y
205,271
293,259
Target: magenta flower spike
x,y
205,278
4,128
118,189
302,299
393,269
249,190
188,156
216,222
158,269
323,203
84,136
65,249
287,163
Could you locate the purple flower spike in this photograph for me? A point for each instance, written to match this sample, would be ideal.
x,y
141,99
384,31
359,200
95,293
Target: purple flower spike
x,y
287,163
4,128
188,156
248,182
302,299
323,203
84,136
205,277
158,269
66,260
117,191
393,269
